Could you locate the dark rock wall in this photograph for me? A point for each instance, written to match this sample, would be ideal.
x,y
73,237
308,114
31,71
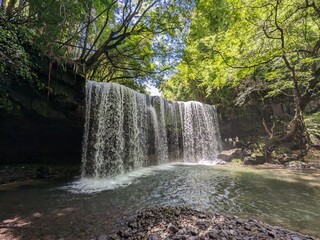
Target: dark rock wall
x,y
242,122
39,140
38,130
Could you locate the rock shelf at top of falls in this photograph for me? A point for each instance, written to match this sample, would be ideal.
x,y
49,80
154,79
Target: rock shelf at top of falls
x,y
126,130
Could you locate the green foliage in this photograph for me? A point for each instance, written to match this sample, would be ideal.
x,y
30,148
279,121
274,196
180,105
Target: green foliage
x,y
241,47
14,61
105,40
222,51
312,122
15,64
237,161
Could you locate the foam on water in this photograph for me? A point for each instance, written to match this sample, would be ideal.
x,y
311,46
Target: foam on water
x,y
89,185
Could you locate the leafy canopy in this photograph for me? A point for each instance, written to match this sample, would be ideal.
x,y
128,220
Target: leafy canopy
x,y
241,48
106,40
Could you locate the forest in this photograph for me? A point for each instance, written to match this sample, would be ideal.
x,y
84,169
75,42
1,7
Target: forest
x,y
87,151
227,53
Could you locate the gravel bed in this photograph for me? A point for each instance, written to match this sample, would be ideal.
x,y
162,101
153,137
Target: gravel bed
x,y
188,224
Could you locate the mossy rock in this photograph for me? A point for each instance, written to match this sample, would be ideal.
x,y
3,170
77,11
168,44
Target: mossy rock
x,y
283,150
257,153
43,109
237,161
297,163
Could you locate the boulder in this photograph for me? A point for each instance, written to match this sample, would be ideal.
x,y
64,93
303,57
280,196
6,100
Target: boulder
x,y
254,160
228,155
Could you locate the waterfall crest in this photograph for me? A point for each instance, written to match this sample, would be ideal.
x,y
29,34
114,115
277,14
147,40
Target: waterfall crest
x,y
126,130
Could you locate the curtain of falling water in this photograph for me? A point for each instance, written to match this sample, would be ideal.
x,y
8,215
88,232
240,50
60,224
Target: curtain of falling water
x,y
126,130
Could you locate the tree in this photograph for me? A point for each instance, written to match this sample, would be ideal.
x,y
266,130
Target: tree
x,y
104,39
256,48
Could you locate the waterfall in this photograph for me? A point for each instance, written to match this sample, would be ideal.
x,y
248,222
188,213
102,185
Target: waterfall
x,y
125,130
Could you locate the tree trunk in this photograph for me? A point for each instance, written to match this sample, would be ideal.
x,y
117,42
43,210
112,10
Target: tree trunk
x,y
10,8
296,131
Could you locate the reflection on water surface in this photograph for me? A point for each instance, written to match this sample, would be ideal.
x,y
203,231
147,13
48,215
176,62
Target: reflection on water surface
x,y
289,198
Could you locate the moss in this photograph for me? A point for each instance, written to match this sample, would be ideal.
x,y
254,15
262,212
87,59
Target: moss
x,y
312,122
257,153
283,150
297,163
237,161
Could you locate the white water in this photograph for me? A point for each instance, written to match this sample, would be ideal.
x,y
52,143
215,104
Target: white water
x,y
126,130
89,185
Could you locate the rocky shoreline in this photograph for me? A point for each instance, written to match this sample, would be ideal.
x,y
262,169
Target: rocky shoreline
x,y
23,172
187,224
245,157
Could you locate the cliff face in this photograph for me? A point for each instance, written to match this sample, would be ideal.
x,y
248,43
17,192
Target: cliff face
x,y
38,129
35,129
242,122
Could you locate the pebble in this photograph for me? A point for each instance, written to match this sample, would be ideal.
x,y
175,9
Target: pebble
x,y
177,212
102,237
187,224
295,238
271,234
153,237
173,228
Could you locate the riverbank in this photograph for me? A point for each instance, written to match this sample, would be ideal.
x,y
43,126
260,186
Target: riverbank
x,y
184,223
23,172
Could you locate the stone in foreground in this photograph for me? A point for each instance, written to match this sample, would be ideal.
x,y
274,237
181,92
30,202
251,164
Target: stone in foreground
x,y
164,223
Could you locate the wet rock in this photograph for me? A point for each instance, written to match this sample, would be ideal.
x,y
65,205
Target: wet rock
x,y
103,237
228,155
201,224
272,234
177,212
179,237
132,225
153,237
239,221
173,228
114,237
295,238
192,238
212,235
254,160
247,227
194,232
127,234
202,236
